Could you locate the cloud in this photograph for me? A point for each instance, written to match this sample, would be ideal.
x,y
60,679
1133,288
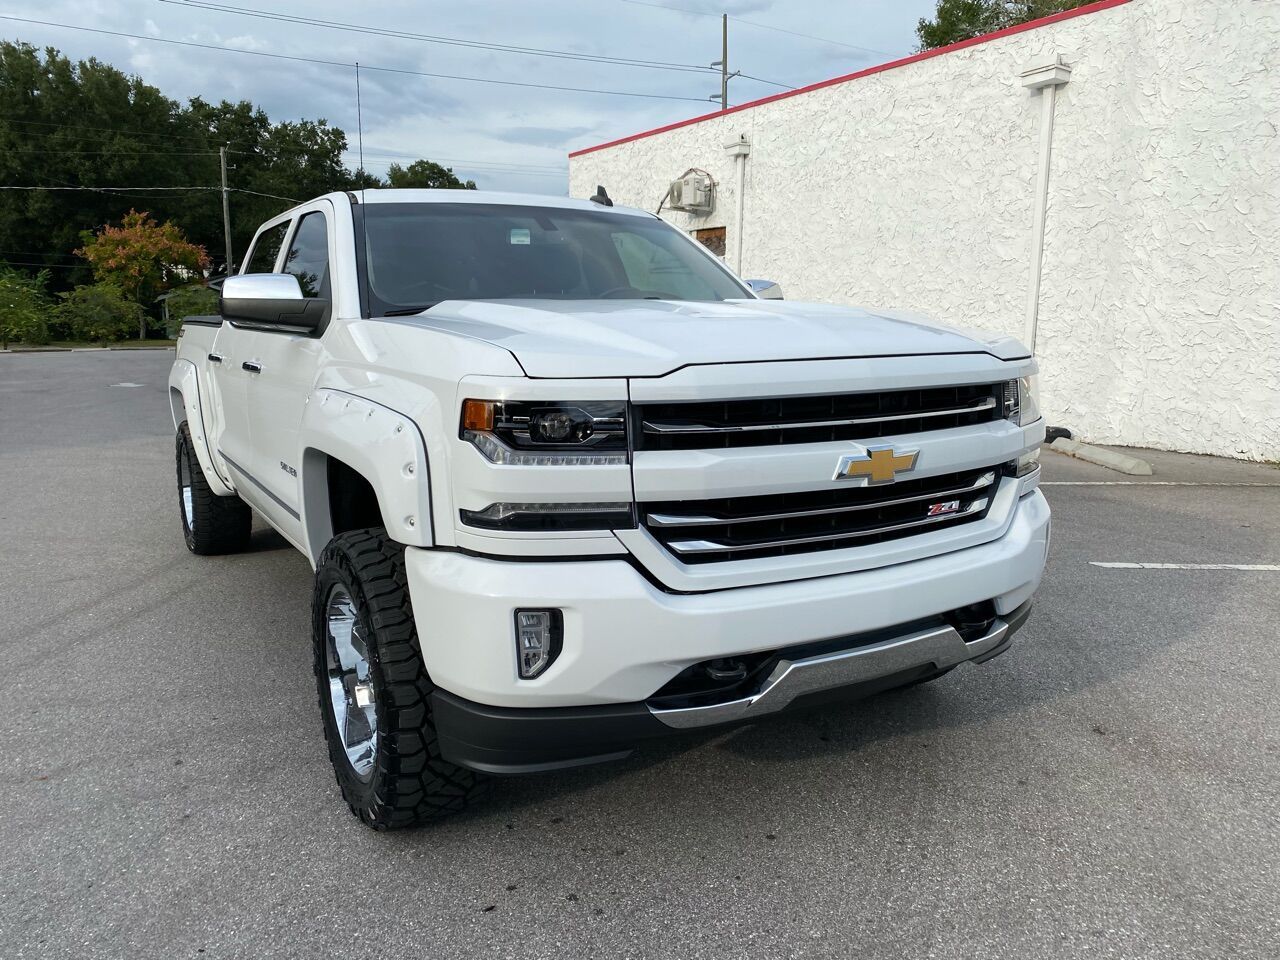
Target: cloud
x,y
476,123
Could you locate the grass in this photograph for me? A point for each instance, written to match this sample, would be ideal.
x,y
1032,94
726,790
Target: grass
x,y
82,345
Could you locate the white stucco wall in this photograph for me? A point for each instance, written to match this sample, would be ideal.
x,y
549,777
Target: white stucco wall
x,y
914,188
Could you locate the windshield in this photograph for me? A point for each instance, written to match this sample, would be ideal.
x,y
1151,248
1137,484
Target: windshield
x,y
422,253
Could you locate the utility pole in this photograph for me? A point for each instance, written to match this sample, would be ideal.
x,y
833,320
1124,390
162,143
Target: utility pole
x,y
723,64
226,205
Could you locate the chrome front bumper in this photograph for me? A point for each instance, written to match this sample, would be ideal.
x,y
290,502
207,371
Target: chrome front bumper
x,y
942,646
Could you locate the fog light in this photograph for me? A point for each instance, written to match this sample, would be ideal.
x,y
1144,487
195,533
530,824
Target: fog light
x,y
1027,470
539,635
1028,463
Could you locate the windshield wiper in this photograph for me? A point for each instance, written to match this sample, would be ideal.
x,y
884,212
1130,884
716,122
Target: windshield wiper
x,y
408,311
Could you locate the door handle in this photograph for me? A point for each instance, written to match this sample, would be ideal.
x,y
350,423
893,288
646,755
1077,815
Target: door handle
x,y
251,366
215,358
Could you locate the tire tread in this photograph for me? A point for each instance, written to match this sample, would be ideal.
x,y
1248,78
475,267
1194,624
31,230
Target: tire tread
x,y
412,782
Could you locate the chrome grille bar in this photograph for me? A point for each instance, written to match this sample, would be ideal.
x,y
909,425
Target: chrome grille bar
x,y
660,427
680,520
711,546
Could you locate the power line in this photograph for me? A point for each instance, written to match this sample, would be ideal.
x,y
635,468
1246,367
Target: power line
x,y
760,26
472,168
772,83
346,65
432,38
514,167
124,153
37,253
196,189
76,126
44,266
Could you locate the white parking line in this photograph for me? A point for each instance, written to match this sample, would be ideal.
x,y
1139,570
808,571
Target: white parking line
x,y
1273,567
1154,483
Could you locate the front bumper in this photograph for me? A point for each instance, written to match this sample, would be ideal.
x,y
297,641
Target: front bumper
x,y
503,740
625,638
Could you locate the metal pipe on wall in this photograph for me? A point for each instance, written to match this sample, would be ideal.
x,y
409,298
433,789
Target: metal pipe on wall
x,y
1045,75
739,149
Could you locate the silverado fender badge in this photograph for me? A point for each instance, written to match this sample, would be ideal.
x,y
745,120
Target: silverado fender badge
x,y
877,465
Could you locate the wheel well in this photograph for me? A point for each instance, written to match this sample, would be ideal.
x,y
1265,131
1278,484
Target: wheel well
x,y
353,504
178,406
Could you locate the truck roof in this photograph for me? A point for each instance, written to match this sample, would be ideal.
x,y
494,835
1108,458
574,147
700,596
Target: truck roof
x,y
483,196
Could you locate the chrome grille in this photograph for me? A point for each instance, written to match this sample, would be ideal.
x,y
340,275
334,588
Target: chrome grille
x,y
770,421
739,528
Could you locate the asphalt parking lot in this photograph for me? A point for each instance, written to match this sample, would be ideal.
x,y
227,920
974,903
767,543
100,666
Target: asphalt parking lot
x,y
1108,788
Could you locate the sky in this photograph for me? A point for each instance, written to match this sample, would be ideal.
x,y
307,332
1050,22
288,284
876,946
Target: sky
x,y
504,137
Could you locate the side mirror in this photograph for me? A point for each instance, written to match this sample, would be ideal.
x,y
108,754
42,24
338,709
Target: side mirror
x,y
765,289
271,300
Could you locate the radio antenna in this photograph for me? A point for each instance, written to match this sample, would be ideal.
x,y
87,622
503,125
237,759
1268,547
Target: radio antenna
x,y
366,308
359,122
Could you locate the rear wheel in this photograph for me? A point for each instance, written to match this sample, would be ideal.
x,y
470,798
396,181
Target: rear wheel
x,y
373,689
210,524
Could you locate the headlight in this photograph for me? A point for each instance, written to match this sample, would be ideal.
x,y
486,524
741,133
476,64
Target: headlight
x,y
1022,400
538,433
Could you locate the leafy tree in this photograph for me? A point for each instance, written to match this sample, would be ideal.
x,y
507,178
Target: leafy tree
x,y
98,312
425,174
191,301
69,125
956,20
143,258
86,125
23,307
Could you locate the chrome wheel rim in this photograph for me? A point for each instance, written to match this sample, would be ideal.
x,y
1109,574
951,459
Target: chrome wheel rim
x,y
184,490
351,692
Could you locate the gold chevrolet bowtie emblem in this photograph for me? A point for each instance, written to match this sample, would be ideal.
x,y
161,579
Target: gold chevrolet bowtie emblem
x,y
878,465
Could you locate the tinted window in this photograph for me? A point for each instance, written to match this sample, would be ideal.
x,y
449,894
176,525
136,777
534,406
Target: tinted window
x,y
422,253
263,257
308,257
650,266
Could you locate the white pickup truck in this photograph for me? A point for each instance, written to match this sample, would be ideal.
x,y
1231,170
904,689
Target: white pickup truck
x,y
568,484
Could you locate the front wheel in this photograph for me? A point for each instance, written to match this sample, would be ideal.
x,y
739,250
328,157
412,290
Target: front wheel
x,y
373,689
210,523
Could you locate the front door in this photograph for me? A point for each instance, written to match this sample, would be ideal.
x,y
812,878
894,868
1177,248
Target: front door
x,y
282,375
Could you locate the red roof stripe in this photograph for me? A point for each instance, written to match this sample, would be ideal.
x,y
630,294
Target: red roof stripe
x,y
880,68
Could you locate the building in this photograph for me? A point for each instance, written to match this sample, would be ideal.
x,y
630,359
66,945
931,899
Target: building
x,y
1104,184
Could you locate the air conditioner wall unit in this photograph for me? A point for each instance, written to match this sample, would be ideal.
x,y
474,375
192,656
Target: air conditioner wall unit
x,y
692,193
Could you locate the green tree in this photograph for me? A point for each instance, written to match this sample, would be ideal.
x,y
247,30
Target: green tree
x,y
98,312
194,300
143,258
68,124
425,174
86,125
23,308
956,20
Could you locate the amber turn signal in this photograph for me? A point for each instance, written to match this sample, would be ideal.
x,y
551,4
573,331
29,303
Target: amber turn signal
x,y
477,414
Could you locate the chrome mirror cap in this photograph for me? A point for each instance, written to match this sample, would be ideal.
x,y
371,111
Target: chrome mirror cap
x,y
272,301
765,289
262,286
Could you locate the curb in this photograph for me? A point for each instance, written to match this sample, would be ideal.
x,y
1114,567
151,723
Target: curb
x,y
87,349
1120,462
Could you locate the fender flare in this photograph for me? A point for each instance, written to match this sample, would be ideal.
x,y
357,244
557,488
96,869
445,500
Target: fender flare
x,y
382,445
184,381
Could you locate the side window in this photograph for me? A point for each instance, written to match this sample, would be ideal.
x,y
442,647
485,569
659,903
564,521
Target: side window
x,y
263,257
308,257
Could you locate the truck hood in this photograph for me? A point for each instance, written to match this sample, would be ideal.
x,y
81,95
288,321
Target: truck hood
x,y
628,338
